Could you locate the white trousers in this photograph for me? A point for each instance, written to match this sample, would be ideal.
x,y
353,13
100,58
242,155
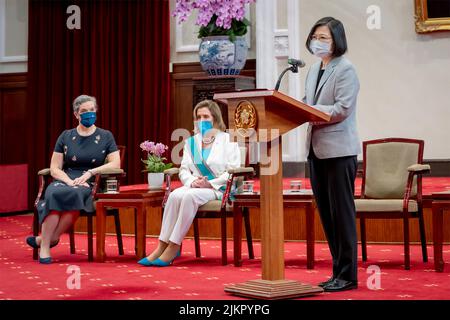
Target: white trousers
x,y
180,211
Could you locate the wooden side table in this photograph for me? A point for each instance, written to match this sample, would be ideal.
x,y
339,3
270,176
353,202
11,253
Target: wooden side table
x,y
140,200
290,200
441,202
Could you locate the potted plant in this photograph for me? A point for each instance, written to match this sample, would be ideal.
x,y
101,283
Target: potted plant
x,y
223,49
155,163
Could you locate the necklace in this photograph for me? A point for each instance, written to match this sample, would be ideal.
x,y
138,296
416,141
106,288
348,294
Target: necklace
x,y
208,141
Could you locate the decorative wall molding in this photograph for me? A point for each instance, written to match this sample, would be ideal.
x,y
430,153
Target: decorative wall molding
x,y
274,45
3,57
179,45
281,44
13,120
13,81
265,26
293,14
297,136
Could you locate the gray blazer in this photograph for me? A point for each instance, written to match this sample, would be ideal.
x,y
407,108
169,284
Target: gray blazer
x,y
336,95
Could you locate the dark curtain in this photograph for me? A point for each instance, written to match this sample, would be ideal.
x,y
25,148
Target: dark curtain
x,y
120,55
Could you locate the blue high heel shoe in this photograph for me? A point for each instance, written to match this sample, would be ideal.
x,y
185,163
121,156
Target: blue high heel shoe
x,y
159,263
145,262
47,260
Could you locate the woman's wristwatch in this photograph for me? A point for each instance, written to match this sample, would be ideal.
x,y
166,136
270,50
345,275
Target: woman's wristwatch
x,y
91,171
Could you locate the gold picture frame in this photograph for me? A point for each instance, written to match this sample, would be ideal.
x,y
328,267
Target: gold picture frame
x,y
424,24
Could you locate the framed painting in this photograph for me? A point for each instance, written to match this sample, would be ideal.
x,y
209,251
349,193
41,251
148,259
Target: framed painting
x,y
432,15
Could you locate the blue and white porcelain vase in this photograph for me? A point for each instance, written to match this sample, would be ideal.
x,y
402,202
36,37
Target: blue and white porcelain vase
x,y
221,57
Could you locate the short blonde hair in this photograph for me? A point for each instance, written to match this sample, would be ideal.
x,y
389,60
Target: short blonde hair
x,y
215,112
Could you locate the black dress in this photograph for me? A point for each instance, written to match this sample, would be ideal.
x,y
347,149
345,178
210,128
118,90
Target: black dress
x,y
80,154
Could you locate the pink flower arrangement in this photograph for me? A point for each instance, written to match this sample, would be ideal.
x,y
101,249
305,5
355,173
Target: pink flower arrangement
x,y
216,17
154,161
154,148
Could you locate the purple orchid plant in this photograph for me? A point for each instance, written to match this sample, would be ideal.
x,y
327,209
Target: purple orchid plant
x,y
215,17
155,161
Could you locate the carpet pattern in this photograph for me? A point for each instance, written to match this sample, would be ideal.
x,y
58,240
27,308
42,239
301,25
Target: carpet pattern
x,y
189,278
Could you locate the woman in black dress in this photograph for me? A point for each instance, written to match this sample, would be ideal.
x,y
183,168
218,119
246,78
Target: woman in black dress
x,y
79,154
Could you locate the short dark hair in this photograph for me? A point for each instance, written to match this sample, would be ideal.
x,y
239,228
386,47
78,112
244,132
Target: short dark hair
x,y
337,33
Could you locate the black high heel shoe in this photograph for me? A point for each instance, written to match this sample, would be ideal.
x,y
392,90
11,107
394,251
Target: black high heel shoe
x,y
31,241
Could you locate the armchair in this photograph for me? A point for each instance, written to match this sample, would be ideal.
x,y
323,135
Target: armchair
x,y
45,179
218,209
392,187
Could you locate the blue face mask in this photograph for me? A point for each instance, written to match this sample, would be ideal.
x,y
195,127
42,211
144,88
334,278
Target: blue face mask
x,y
87,119
204,126
320,49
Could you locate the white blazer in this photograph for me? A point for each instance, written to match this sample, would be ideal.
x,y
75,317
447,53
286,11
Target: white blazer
x,y
224,155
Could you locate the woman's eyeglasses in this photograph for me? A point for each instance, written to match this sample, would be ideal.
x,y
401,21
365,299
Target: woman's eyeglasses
x,y
320,38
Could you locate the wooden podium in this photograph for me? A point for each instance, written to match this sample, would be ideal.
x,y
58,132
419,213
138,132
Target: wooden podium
x,y
263,116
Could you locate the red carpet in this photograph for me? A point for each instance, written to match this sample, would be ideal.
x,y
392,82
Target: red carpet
x,y
196,279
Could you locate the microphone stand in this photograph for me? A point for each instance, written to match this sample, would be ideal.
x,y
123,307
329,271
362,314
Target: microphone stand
x,y
293,68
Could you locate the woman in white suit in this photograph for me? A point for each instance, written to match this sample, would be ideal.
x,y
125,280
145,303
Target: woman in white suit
x,y
207,156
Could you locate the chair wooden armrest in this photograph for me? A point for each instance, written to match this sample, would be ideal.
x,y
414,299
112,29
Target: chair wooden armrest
x,y
241,171
168,174
172,171
44,178
419,168
44,172
415,169
234,173
110,173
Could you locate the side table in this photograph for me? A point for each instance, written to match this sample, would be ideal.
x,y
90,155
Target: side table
x,y
140,200
303,199
441,202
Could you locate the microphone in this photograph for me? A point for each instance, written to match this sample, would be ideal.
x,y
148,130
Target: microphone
x,y
295,64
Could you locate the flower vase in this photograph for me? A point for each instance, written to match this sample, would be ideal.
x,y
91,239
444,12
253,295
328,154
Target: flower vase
x,y
221,57
155,180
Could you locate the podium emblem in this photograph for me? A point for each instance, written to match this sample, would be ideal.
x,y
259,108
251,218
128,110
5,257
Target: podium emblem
x,y
245,119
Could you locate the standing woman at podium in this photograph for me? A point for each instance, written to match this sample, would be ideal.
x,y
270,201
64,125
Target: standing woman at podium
x,y
332,87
